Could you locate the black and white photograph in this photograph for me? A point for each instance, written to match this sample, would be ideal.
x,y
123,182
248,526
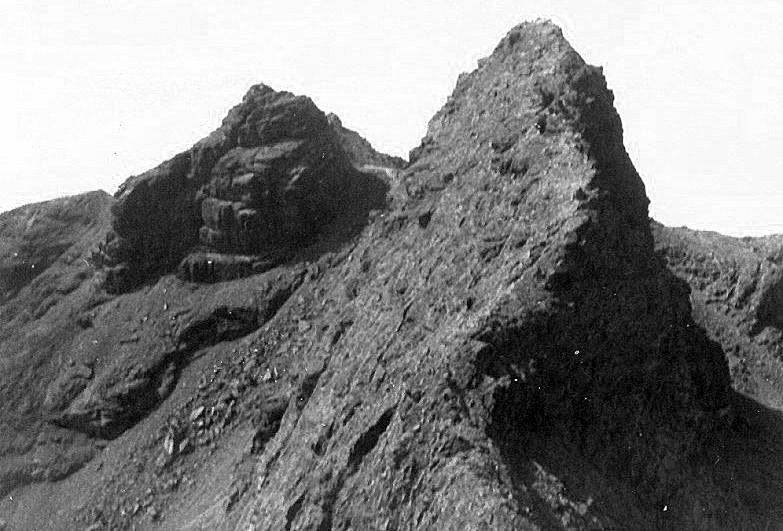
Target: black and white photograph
x,y
394,266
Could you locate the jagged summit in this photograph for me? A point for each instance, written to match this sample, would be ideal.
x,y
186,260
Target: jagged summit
x,y
300,333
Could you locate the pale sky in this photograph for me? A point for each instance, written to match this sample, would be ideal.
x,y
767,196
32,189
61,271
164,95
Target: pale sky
x,y
95,91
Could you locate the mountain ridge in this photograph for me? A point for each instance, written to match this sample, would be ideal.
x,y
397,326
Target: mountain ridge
x,y
282,327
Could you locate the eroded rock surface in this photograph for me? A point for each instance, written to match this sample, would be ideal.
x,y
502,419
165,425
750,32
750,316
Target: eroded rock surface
x,y
34,237
266,180
45,278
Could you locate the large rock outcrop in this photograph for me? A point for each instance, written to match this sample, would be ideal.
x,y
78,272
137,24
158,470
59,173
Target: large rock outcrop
x,y
266,180
483,339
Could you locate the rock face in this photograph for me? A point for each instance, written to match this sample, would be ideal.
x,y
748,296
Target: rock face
x,y
485,338
737,296
268,178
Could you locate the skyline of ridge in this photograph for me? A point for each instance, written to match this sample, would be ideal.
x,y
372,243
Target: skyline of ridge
x,y
94,99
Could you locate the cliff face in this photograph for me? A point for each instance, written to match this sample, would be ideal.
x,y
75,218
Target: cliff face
x,y
737,296
288,330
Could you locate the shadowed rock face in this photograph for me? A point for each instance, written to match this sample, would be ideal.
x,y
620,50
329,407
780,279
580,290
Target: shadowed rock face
x,y
268,178
737,296
485,338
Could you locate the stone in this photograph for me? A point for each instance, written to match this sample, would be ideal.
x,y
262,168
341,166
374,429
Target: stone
x,y
269,177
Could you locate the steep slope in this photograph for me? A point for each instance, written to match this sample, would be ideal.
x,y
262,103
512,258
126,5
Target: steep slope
x,y
485,339
737,296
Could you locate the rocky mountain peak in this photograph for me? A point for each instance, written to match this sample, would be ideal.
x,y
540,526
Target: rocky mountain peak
x,y
266,117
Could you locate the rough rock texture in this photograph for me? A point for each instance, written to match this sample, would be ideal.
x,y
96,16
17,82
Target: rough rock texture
x,y
737,296
483,339
268,178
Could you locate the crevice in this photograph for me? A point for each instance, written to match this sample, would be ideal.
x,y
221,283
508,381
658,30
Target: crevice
x,y
293,511
306,388
320,445
269,423
365,444
225,323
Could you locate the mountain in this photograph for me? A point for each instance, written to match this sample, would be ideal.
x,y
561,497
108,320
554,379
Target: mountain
x,y
282,328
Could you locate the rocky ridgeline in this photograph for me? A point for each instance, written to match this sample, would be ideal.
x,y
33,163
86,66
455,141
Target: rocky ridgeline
x,y
302,333
94,339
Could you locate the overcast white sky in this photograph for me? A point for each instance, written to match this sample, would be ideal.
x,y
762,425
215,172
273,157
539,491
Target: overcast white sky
x,y
94,91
